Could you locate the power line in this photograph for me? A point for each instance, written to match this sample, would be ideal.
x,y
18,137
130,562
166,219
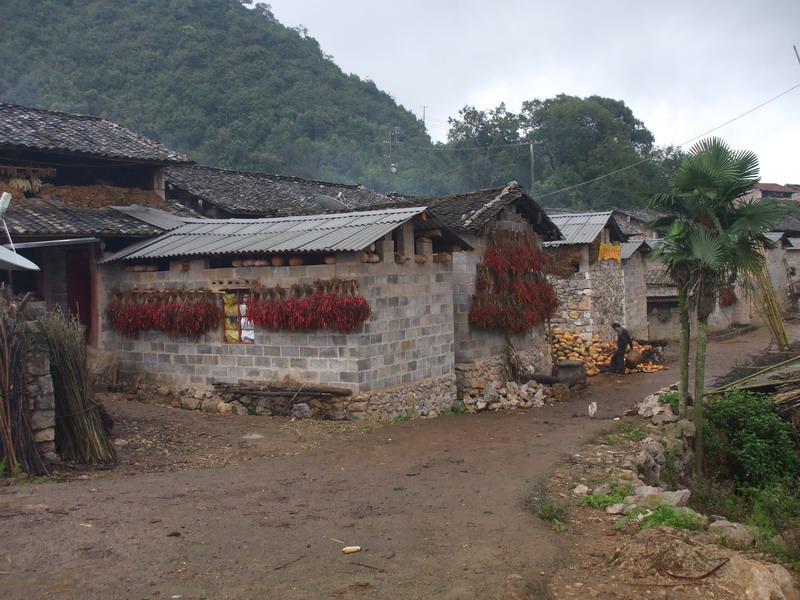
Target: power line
x,y
689,141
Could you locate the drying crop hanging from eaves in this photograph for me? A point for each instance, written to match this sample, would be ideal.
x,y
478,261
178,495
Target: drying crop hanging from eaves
x,y
176,313
512,294
331,304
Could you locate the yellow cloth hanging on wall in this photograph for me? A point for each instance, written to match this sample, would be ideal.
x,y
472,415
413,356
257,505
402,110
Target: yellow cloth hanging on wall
x,y
231,307
610,252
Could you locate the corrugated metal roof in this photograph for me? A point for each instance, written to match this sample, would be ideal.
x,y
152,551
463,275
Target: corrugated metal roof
x,y
774,236
795,243
340,232
629,248
579,228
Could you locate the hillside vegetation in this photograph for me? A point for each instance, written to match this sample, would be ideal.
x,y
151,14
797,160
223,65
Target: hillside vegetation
x,y
232,87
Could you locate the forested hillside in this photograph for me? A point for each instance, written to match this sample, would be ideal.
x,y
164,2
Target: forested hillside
x,y
232,87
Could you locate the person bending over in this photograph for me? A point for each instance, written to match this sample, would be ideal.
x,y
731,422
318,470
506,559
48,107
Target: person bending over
x,y
623,343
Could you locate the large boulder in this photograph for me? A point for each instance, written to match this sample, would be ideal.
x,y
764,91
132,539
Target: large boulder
x,y
653,497
733,534
760,581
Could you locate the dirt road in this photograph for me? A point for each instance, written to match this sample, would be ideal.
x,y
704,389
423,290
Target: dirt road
x,y
435,504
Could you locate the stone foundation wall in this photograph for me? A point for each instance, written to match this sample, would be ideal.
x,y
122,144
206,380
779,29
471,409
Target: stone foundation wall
x,y
426,398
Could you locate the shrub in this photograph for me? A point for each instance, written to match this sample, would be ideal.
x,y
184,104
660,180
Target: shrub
x,y
672,399
747,441
712,497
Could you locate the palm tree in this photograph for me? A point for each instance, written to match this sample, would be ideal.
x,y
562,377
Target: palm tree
x,y
716,236
675,254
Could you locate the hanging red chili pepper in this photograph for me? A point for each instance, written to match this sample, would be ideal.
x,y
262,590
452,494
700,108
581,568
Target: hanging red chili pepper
x,y
512,294
192,314
327,305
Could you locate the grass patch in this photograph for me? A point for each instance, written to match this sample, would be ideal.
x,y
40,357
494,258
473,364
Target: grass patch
x,y
633,433
616,494
667,516
539,503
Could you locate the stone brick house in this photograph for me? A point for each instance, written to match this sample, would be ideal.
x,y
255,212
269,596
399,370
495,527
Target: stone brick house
x,y
475,216
402,359
595,292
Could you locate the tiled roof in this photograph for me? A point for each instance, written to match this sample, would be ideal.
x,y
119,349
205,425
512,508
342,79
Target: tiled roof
x,y
775,187
658,278
581,228
471,212
245,193
45,130
643,215
38,217
329,232
788,224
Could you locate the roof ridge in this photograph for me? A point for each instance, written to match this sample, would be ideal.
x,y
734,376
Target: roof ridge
x,y
273,176
511,185
581,214
56,112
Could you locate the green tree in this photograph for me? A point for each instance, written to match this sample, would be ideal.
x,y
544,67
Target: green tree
x,y
579,139
716,237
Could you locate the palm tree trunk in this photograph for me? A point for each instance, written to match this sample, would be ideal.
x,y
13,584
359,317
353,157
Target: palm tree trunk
x,y
699,390
683,381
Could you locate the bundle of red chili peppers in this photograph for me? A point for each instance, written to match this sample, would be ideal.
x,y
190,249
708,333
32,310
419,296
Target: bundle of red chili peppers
x,y
331,304
512,294
182,313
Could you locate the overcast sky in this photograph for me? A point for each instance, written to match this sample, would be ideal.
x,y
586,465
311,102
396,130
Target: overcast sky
x,y
682,66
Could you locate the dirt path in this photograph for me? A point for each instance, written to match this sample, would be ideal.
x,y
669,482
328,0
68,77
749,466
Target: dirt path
x,y
436,505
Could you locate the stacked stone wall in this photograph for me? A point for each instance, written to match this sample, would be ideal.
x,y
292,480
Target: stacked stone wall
x,y
574,311
41,402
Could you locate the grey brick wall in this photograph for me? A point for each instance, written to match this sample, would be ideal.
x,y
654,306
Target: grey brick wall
x,y
633,271
409,337
473,345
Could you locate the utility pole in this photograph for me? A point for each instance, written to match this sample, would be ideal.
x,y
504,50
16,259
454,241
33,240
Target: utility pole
x,y
530,149
424,109
391,166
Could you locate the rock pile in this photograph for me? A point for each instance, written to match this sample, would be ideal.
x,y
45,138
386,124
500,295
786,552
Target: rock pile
x,y
666,454
484,395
